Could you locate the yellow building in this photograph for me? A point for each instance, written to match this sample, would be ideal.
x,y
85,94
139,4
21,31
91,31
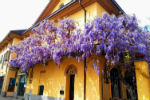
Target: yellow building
x,y
3,64
69,81
7,76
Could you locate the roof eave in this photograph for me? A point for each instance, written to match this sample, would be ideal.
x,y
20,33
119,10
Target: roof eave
x,y
117,5
57,11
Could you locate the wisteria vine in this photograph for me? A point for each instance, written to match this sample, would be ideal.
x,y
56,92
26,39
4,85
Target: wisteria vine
x,y
108,35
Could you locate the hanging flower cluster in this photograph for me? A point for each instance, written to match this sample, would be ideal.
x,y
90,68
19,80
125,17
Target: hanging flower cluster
x,y
49,41
107,35
116,36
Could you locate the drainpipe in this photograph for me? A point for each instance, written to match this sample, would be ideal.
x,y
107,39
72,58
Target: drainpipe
x,y
85,67
83,10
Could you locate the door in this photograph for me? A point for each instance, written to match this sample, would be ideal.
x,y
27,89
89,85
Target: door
x,y
71,96
11,86
1,83
70,71
21,88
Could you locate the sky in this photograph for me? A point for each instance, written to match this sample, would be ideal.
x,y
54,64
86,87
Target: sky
x,y
21,14
138,7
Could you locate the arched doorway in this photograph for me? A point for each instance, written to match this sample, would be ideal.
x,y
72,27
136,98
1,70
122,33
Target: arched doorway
x,y
70,79
115,83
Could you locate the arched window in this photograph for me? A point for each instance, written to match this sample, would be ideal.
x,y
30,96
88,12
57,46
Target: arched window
x,y
71,69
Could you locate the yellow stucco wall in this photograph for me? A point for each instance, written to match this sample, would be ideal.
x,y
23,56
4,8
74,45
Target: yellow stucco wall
x,y
17,79
54,79
94,81
15,41
9,73
92,10
59,4
142,80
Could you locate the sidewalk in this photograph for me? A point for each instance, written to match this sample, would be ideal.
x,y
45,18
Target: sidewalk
x,y
8,98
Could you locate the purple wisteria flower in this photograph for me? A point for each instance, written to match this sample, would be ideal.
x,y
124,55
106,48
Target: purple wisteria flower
x,y
108,35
